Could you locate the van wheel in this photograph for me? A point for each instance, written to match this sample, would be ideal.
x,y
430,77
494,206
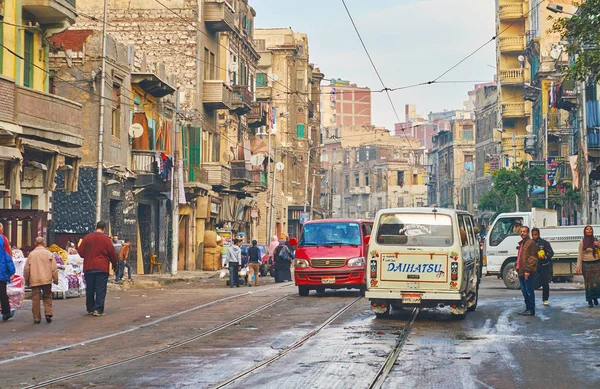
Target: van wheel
x,y
320,290
383,314
460,316
473,307
303,291
511,277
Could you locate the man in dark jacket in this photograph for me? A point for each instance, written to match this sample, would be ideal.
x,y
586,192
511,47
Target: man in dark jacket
x,y
253,262
527,261
545,254
98,254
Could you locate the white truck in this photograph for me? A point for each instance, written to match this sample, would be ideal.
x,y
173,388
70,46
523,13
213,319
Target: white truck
x,y
502,240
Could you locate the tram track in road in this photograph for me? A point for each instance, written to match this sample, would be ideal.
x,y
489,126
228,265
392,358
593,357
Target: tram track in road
x,y
288,349
138,327
387,366
161,350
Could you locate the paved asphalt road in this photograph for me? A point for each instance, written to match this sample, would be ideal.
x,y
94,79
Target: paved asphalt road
x,y
163,338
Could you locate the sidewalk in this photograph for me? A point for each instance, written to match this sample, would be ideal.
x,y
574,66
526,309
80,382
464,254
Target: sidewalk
x,y
159,280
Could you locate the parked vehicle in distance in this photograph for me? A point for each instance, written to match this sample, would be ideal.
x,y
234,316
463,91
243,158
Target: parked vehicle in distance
x,y
500,251
331,254
423,257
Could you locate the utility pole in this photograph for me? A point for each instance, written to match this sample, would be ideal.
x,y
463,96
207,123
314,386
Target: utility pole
x,y
312,195
546,158
306,183
268,226
273,188
101,124
585,204
175,192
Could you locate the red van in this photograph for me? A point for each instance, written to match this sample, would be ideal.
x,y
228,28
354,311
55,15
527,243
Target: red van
x,y
331,254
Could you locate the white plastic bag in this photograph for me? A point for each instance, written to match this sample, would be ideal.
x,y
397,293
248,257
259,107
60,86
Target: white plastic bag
x,y
224,274
244,271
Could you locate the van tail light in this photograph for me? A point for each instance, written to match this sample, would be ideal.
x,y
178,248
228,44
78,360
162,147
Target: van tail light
x,y
373,269
454,271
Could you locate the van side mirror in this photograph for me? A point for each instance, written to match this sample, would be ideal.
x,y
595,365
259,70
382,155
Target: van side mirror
x,y
367,239
294,242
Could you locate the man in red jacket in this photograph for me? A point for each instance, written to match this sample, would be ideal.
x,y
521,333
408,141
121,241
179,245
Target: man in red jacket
x,y
98,253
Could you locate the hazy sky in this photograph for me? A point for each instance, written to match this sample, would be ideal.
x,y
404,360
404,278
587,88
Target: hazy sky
x,y
411,41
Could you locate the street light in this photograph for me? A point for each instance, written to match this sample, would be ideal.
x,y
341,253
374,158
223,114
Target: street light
x,y
557,9
307,174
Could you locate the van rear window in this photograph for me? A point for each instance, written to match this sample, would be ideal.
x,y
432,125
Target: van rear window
x,y
407,229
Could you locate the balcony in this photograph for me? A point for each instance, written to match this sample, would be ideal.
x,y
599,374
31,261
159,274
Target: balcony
x,y
510,11
47,116
256,117
514,76
360,190
240,175
264,92
142,161
594,139
216,174
515,110
567,95
242,99
51,11
218,15
260,179
512,44
217,95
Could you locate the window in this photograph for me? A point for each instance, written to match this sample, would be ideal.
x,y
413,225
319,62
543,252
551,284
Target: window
x,y
357,180
468,132
206,64
195,145
366,179
300,131
28,60
379,179
400,178
469,163
412,229
216,147
347,182
338,234
116,111
379,203
504,227
261,80
415,179
212,66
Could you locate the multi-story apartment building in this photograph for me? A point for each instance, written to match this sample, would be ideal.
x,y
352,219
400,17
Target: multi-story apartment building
x,y
40,133
514,112
452,167
208,46
487,140
368,169
345,104
288,83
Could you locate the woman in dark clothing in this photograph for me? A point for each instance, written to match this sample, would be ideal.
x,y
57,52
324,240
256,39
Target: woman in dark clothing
x,y
283,261
588,263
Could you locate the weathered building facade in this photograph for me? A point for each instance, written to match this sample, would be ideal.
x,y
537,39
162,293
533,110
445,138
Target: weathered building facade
x,y
39,131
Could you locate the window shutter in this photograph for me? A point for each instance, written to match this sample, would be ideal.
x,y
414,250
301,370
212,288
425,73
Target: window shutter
x,y
300,131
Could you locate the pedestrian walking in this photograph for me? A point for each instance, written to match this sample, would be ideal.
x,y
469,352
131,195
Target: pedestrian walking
x,y
233,261
7,273
123,262
544,273
272,247
254,263
588,263
283,261
40,272
98,254
527,261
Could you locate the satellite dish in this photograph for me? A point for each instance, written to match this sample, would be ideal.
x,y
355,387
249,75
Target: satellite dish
x,y
521,58
257,160
279,166
228,156
544,53
555,53
529,128
136,130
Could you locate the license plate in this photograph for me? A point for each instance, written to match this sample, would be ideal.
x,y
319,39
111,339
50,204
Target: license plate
x,y
328,280
411,299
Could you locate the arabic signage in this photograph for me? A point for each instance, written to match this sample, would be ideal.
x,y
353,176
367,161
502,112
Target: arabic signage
x,y
537,192
556,172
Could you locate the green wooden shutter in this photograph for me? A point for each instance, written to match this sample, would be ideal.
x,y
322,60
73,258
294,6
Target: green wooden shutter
x,y
28,60
261,80
185,145
300,131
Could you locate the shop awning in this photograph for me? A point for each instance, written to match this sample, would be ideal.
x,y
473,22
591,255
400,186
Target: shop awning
x,y
10,153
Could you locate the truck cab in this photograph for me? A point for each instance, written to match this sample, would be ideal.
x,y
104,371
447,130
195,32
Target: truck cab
x,y
423,257
331,254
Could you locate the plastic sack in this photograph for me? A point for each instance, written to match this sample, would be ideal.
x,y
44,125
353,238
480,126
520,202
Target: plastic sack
x,y
244,271
224,274
16,292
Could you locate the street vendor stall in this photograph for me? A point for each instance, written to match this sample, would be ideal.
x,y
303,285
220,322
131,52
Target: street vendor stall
x,y
70,273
